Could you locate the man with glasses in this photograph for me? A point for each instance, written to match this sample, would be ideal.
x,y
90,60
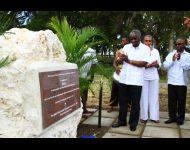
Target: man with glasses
x,y
134,59
177,64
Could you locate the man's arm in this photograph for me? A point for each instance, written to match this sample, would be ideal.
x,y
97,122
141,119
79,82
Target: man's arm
x,y
169,61
185,64
133,62
138,63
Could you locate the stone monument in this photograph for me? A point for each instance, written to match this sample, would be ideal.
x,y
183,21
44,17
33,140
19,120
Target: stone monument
x,y
39,90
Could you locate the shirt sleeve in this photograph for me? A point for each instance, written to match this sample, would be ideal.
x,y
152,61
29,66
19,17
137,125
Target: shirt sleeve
x,y
158,59
146,56
168,62
185,63
95,60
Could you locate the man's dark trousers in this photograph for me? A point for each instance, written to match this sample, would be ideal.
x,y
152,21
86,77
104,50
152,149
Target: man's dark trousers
x,y
126,93
176,101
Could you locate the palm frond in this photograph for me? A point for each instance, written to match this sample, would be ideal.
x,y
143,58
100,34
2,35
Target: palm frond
x,y
66,34
76,42
5,22
4,61
84,84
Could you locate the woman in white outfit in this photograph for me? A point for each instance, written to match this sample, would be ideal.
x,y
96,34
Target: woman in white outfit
x,y
149,103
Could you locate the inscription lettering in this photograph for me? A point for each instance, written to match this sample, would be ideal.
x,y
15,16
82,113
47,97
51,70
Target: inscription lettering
x,y
60,94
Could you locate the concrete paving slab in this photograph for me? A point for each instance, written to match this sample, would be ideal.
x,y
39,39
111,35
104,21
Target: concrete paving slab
x,y
117,135
187,116
127,118
94,121
186,125
162,124
92,109
185,133
160,132
126,130
151,129
86,115
113,114
164,114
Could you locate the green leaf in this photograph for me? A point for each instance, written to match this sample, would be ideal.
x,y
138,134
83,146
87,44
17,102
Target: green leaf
x,y
4,62
76,42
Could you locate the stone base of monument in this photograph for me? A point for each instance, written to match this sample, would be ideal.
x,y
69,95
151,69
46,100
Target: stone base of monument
x,y
50,104
39,90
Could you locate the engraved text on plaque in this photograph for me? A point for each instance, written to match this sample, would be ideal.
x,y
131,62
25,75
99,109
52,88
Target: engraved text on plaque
x,y
59,94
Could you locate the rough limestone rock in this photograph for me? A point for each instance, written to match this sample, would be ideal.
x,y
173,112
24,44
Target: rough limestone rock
x,y
20,101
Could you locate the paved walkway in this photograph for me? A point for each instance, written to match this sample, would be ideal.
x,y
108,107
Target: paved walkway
x,y
148,130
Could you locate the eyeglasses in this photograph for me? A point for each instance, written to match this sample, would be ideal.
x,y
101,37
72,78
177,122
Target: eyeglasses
x,y
147,40
133,39
178,44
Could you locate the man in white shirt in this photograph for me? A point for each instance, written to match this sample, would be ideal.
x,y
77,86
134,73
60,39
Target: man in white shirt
x,y
177,64
134,60
85,73
115,86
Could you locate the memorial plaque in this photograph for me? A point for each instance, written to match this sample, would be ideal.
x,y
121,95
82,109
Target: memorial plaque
x,y
60,94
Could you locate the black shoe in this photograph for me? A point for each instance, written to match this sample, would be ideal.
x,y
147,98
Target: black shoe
x,y
179,122
116,125
132,128
170,121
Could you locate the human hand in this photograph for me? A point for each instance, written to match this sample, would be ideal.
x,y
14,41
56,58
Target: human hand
x,y
124,57
119,60
176,56
153,64
119,54
117,70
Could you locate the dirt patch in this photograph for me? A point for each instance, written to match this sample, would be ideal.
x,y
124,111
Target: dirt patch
x,y
91,130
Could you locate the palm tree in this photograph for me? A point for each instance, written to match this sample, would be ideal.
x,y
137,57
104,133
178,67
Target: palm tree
x,y
76,43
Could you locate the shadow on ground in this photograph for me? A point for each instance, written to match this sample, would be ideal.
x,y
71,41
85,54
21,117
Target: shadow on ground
x,y
91,130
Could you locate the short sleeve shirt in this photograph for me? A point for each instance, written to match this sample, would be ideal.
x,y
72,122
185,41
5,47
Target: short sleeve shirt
x,y
152,73
130,74
86,68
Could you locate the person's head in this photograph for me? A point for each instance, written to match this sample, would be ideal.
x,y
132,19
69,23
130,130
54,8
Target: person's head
x,y
148,40
187,21
124,41
180,44
135,37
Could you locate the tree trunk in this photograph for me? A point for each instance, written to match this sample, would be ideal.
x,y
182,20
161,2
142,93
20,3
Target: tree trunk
x,y
171,40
